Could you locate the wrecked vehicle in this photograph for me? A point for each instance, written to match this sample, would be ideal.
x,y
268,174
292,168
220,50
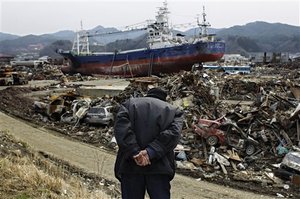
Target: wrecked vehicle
x,y
99,115
289,168
224,132
6,80
208,129
291,162
13,78
58,105
72,108
20,79
78,111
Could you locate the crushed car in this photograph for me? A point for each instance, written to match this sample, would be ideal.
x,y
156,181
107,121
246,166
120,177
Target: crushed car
x,y
289,168
6,80
99,115
57,106
13,78
224,132
291,162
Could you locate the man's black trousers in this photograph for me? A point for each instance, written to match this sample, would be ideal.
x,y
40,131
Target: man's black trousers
x,y
134,186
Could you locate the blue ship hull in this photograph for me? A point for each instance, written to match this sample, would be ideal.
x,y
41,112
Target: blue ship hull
x,y
143,62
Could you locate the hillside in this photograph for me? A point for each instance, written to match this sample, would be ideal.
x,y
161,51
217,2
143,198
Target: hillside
x,y
252,37
29,43
261,36
262,29
50,50
12,44
6,36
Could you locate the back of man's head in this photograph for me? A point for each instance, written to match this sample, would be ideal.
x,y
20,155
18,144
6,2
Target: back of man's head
x,y
157,93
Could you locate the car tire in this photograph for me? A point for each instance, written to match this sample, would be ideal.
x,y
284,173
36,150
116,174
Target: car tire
x,y
212,140
110,123
250,149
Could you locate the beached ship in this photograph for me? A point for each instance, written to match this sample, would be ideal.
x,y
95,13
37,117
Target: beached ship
x,y
167,53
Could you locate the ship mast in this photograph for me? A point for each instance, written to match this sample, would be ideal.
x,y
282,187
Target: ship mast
x,y
159,33
204,24
81,42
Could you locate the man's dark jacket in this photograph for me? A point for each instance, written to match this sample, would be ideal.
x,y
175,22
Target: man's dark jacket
x,y
151,124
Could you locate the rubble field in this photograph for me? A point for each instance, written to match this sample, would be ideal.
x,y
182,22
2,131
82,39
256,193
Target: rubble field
x,y
239,130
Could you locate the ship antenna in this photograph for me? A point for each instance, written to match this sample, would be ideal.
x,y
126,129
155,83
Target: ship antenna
x,y
81,25
204,23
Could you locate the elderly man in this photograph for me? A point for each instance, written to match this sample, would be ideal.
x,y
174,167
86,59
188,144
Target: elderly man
x,y
147,130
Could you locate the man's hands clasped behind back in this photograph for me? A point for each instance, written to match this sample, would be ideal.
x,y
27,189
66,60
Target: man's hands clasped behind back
x,y
142,158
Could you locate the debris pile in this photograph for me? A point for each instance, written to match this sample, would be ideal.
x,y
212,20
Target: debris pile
x,y
239,126
237,136
237,89
46,71
237,139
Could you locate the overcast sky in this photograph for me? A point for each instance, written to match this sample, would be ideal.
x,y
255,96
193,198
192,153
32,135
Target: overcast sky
x,y
24,17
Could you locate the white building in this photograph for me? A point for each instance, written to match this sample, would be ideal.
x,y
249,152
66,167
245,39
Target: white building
x,y
235,59
268,57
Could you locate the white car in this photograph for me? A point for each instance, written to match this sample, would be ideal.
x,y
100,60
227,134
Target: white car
x,y
291,162
99,115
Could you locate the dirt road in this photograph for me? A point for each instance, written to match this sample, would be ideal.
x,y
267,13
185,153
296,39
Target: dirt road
x,y
100,161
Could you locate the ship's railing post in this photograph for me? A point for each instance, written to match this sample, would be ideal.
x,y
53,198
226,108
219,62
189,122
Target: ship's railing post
x,y
112,63
150,65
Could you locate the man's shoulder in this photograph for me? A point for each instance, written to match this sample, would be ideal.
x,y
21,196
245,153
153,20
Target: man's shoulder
x,y
148,100
145,100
